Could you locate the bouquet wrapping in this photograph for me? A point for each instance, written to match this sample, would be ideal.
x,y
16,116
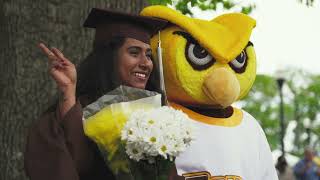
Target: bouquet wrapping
x,y
137,137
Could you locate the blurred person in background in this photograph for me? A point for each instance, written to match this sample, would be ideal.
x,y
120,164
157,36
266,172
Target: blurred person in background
x,y
306,168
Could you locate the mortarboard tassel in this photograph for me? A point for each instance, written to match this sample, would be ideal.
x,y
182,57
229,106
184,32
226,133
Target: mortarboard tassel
x,y
164,99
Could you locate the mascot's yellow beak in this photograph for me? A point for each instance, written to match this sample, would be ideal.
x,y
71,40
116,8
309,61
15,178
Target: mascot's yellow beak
x,y
222,87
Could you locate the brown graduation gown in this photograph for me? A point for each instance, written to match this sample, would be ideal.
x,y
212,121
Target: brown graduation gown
x,y
57,149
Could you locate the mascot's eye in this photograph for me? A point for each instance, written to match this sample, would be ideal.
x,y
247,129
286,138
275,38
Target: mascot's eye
x,y
239,63
198,57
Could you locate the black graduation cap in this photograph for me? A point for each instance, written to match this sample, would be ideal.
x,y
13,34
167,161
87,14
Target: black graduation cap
x,y
110,23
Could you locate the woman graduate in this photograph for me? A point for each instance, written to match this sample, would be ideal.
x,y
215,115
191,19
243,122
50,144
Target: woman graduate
x,y
57,148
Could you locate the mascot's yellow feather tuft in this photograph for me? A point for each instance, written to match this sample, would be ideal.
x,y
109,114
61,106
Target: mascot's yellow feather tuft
x,y
224,37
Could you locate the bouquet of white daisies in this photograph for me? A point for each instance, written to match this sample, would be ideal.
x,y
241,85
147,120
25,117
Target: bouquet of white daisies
x,y
162,131
139,139
156,137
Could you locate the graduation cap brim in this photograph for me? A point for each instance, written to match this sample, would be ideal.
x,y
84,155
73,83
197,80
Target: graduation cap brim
x,y
110,23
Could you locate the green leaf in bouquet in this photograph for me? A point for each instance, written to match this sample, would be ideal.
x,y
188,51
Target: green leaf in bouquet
x,y
118,162
159,170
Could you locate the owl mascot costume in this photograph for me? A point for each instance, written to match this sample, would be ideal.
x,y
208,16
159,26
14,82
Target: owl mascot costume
x,y
208,65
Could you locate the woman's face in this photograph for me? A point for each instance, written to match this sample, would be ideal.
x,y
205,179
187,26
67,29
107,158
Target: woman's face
x,y
134,63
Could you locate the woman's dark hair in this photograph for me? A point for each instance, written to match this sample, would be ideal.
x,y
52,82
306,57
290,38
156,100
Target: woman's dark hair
x,y
96,74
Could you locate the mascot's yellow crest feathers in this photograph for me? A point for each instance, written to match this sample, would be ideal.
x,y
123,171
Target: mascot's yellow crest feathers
x,y
224,37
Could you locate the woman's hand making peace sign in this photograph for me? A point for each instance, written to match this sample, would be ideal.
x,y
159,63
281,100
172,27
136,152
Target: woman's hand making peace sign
x,y
65,75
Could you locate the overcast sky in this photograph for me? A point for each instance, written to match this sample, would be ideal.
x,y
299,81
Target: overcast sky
x,y
287,34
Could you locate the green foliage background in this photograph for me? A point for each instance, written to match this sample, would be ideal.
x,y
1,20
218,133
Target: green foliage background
x,y
184,5
301,107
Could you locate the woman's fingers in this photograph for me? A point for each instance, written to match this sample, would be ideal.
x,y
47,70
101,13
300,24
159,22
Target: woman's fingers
x,y
60,68
56,58
56,65
57,52
60,56
54,54
53,59
46,50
